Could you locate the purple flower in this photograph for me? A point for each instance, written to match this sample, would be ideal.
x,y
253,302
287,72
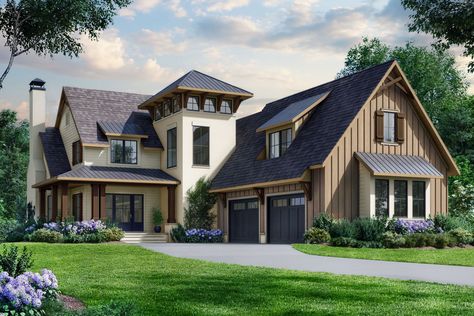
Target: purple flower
x,y
404,227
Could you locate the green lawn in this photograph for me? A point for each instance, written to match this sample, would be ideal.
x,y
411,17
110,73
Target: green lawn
x,y
160,284
454,256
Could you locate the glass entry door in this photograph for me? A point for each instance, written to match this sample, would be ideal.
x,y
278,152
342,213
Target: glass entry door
x,y
126,210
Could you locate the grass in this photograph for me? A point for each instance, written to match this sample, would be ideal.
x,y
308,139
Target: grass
x,y
159,284
452,256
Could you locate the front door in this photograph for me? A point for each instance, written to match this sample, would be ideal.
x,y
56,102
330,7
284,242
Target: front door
x,y
126,210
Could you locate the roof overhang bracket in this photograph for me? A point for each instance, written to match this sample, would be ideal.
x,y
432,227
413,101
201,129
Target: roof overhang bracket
x,y
308,190
261,195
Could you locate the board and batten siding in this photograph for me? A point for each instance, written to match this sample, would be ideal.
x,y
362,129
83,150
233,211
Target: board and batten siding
x,y
340,175
68,130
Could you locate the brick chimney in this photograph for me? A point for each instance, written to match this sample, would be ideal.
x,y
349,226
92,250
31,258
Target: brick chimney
x,y
36,167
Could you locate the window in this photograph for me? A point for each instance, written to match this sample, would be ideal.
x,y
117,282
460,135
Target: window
x,y
49,208
166,108
226,106
176,104
297,201
280,202
252,205
76,152
77,206
210,105
158,112
171,148
381,197
279,143
389,127
201,145
193,103
400,195
419,199
123,151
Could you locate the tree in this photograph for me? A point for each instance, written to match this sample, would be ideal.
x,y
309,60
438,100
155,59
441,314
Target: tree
x,y
451,22
200,202
50,27
461,189
14,148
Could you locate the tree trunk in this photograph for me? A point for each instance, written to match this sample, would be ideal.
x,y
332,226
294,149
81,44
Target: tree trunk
x,y
9,66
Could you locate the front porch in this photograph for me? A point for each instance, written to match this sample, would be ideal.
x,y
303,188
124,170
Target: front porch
x,y
129,205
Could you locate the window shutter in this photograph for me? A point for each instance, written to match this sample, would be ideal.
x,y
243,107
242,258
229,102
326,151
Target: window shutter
x,y
400,127
379,126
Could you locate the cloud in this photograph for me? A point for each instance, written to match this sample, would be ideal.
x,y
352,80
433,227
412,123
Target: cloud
x,y
161,42
22,109
228,5
142,6
176,7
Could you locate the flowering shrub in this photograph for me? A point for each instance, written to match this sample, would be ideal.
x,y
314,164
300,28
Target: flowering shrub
x,y
203,236
27,292
406,227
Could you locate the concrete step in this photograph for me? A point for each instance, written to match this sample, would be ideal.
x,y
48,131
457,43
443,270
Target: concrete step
x,y
134,238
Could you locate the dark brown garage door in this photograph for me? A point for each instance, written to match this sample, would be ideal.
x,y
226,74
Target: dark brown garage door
x,y
286,219
243,221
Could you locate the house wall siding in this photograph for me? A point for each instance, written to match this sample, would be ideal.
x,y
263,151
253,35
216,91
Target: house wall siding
x,y
69,133
100,156
341,170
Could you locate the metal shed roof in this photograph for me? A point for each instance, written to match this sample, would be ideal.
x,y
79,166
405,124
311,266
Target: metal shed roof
x,y
121,128
398,165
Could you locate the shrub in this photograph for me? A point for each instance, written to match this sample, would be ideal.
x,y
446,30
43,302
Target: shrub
x,y
13,262
341,228
404,227
343,242
323,221
115,308
203,236
46,235
441,241
392,240
157,216
316,236
6,227
200,201
447,223
367,244
178,233
369,229
112,234
461,236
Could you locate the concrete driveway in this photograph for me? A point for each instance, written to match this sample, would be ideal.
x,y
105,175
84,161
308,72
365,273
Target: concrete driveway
x,y
285,257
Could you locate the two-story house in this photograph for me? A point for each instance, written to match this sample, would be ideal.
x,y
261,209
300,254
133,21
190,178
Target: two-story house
x,y
358,146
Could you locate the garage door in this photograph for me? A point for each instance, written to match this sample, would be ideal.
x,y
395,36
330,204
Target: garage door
x,y
243,221
286,219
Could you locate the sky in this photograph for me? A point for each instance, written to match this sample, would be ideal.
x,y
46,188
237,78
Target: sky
x,y
272,48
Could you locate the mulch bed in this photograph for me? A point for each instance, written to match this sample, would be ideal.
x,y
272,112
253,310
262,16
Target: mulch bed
x,y
71,303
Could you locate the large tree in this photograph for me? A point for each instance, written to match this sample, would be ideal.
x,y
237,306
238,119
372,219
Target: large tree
x,y
49,27
451,22
13,162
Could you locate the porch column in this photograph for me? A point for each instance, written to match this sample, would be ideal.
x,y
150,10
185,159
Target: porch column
x,y
103,209
54,200
64,201
171,204
42,206
95,201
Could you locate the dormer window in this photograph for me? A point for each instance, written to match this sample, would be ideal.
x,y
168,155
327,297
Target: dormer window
x,y
210,105
279,142
226,107
193,103
123,151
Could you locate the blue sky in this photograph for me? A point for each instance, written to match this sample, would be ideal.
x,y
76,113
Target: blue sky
x,y
271,47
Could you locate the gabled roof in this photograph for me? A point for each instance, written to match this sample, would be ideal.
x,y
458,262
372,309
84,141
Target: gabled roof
x,y
398,165
113,175
198,81
88,106
54,151
293,112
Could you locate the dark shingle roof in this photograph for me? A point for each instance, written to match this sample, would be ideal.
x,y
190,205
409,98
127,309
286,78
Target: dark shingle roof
x,y
54,151
89,106
316,138
117,173
197,80
398,165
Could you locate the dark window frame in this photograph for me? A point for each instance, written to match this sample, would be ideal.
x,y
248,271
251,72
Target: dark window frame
x,y
77,153
201,147
159,112
279,149
400,199
176,104
171,152
197,104
386,198
231,103
123,154
77,206
167,108
213,102
421,201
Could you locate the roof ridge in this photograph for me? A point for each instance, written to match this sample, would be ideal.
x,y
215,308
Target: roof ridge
x,y
214,78
102,90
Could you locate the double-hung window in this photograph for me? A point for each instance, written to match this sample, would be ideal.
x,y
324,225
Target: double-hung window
x,y
419,199
201,145
210,105
226,107
123,151
171,148
401,198
381,197
279,142
389,127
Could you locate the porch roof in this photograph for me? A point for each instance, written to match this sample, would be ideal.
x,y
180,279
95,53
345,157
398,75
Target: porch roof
x,y
112,175
398,165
